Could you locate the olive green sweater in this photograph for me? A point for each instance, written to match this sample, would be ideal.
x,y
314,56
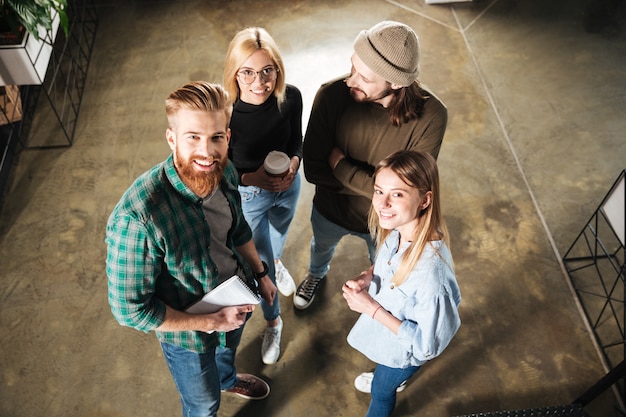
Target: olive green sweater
x,y
363,131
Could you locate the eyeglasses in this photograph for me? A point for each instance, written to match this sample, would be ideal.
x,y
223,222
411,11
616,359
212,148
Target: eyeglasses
x,y
247,76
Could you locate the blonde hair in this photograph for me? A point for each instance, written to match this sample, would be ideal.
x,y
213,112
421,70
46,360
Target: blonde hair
x,y
244,44
199,95
417,170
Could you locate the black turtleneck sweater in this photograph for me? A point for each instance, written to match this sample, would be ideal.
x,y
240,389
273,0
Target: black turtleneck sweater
x,y
259,129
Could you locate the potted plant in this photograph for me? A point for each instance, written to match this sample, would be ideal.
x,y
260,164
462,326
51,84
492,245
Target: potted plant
x,y
21,16
30,29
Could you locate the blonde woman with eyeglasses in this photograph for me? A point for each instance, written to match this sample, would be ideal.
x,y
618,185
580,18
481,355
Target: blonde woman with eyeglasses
x,y
267,117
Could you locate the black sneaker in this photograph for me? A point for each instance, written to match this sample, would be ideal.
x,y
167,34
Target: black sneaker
x,y
305,294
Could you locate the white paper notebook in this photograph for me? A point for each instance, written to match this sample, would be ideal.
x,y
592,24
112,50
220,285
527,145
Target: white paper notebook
x,y
232,292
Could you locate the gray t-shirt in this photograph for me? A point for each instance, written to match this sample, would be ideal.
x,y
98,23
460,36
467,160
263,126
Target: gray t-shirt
x,y
220,219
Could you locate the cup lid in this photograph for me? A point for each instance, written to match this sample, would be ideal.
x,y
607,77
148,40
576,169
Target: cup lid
x,y
276,162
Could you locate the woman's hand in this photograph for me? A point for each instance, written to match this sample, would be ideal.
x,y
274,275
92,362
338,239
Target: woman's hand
x,y
357,299
267,289
261,179
356,295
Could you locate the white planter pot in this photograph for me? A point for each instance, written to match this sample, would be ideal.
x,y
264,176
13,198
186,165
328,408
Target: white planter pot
x,y
26,64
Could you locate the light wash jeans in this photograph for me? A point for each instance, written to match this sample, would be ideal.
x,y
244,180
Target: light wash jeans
x,y
384,385
326,236
269,215
197,380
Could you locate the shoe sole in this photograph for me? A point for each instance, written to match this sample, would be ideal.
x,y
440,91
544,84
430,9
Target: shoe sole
x,y
304,307
399,389
247,397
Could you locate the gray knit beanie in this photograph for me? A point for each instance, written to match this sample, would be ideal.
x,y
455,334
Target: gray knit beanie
x,y
391,50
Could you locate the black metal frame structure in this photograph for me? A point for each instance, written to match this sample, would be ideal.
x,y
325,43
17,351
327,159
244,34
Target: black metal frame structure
x,y
61,91
65,80
9,133
596,266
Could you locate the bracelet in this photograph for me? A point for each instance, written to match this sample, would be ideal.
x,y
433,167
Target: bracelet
x,y
376,311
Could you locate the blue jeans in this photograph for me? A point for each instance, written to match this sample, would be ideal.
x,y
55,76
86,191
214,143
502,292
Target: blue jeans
x,y
384,385
326,236
225,358
269,215
197,380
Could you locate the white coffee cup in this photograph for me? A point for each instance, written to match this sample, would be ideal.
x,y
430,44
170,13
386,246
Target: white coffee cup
x,y
277,164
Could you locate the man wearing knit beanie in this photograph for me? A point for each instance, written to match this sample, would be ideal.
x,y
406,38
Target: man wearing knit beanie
x,y
391,50
356,121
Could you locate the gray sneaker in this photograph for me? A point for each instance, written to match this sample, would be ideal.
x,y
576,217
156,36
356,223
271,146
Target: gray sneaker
x,y
305,294
270,348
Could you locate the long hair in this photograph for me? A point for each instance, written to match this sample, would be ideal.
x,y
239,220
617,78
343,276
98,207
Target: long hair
x,y
407,104
244,44
418,170
199,95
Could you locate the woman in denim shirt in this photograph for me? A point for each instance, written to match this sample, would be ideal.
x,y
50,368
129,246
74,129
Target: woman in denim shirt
x,y
409,313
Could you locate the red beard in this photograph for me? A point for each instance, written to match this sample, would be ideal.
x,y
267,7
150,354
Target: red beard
x,y
201,183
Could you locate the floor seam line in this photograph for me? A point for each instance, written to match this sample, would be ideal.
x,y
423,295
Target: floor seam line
x,y
542,219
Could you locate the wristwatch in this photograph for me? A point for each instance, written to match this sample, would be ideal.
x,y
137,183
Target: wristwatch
x,y
259,275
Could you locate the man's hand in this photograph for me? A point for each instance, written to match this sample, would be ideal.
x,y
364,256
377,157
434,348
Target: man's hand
x,y
224,320
229,318
336,155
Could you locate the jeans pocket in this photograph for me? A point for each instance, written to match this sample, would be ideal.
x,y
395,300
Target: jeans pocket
x,y
248,193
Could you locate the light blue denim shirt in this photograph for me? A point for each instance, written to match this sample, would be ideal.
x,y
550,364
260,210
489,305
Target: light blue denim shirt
x,y
426,303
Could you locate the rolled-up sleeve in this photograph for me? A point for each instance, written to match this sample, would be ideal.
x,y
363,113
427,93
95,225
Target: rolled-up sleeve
x,y
434,325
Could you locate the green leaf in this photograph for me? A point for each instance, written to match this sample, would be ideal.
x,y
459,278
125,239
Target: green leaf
x,y
35,13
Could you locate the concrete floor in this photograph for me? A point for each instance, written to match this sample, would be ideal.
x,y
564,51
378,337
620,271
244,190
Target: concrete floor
x,y
534,142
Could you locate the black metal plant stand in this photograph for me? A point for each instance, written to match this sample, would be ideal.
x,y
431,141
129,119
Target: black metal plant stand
x,y
61,91
64,83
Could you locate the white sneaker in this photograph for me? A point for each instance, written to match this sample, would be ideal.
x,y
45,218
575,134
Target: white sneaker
x,y
363,383
284,281
270,348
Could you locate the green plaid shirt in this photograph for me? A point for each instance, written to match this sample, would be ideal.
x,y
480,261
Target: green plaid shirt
x,y
158,252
